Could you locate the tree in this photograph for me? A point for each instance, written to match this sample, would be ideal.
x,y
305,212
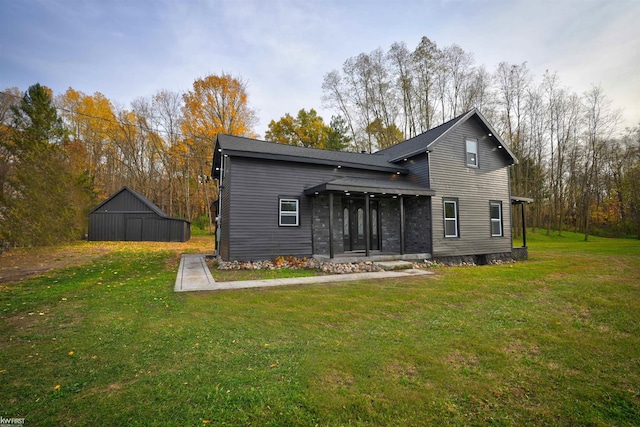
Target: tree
x,y
167,117
385,137
8,98
46,197
216,104
307,129
91,120
600,122
425,59
338,134
400,58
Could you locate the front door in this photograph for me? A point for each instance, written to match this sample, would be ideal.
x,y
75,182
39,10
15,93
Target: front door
x,y
354,225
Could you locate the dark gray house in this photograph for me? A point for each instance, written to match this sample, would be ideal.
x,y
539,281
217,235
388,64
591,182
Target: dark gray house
x,y
444,193
128,215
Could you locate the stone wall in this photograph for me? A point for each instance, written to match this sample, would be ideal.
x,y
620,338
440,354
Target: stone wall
x,y
484,259
390,225
320,225
417,225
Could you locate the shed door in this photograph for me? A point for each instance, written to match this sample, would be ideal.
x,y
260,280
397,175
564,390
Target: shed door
x,y
133,230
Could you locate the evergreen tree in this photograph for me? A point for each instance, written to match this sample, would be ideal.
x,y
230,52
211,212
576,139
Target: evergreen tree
x,y
338,134
41,206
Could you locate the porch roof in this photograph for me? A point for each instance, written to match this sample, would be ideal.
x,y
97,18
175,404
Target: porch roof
x,y
367,185
515,200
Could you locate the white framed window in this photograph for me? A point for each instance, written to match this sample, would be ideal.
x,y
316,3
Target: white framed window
x,y
451,218
289,212
495,211
472,153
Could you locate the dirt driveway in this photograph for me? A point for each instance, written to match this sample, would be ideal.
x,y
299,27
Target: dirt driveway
x,y
22,263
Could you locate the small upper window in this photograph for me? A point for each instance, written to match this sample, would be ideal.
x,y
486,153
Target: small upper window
x,y
289,212
472,153
496,218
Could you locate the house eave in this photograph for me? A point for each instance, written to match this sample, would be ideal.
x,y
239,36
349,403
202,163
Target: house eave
x,y
310,160
372,188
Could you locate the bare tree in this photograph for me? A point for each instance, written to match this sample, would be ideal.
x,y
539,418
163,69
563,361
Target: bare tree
x,y
400,59
600,123
425,60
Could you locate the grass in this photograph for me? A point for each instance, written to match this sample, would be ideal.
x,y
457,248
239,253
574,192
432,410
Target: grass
x,y
233,275
550,341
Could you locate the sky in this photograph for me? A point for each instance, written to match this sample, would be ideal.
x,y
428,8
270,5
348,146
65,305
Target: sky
x,y
283,48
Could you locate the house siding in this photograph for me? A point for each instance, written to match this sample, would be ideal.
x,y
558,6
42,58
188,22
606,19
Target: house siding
x,y
419,167
225,208
474,188
254,187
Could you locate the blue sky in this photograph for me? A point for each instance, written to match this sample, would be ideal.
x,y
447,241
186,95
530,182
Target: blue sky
x,y
283,48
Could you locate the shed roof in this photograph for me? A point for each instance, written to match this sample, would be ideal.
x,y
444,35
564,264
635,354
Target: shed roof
x,y
148,203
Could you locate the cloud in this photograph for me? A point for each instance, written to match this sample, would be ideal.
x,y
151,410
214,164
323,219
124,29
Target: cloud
x,y
283,48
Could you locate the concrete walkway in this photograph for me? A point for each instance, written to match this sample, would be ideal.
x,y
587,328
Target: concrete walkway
x,y
194,275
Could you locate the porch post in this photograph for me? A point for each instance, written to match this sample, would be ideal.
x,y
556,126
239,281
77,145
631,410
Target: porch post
x,y
367,227
401,225
524,226
331,225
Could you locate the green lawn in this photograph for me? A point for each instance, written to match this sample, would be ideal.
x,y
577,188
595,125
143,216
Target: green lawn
x,y
550,341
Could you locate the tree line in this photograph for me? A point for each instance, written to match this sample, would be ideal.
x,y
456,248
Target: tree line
x,y
60,155
575,160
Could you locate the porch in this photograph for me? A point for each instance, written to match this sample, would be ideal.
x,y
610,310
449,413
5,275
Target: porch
x,y
359,220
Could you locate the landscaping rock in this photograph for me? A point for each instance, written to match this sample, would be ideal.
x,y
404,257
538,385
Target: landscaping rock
x,y
301,263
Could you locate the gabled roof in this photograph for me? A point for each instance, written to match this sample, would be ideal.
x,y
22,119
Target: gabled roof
x,y
148,203
426,141
246,147
383,160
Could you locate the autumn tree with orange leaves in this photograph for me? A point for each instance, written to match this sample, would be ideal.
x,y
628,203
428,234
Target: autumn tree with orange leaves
x,y
215,105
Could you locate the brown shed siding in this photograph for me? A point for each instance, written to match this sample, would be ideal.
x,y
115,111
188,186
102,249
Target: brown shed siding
x,y
474,188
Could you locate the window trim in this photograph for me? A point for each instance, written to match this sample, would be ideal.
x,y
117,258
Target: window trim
x,y
492,220
295,214
456,219
467,151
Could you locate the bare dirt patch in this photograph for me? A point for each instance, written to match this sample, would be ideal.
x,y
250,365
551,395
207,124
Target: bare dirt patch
x,y
23,263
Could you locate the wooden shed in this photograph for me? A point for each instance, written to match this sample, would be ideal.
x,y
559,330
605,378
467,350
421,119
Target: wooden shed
x,y
128,215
